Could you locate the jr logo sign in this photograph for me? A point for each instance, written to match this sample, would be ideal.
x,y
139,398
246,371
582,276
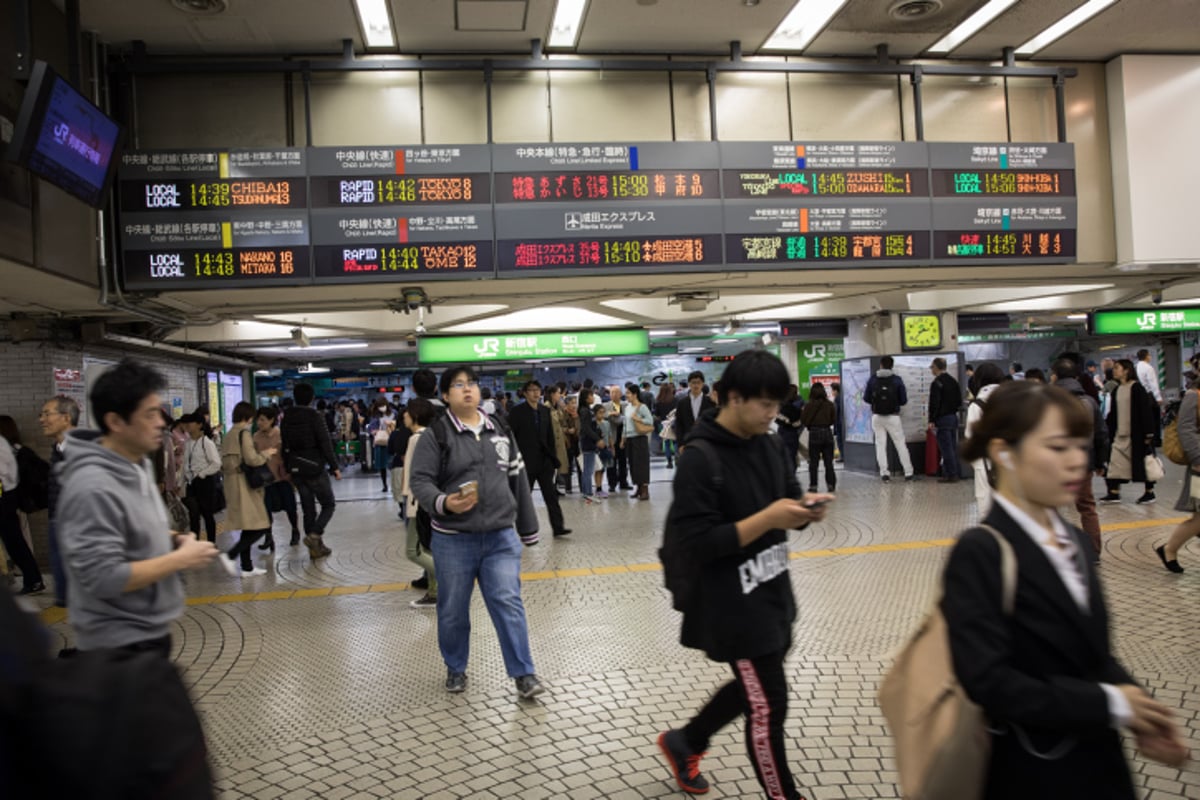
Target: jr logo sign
x,y
1147,321
488,348
815,353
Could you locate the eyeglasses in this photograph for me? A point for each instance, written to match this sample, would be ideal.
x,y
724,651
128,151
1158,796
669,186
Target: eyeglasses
x,y
45,414
460,385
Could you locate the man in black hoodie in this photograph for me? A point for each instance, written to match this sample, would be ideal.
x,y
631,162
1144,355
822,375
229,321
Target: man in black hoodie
x,y
735,499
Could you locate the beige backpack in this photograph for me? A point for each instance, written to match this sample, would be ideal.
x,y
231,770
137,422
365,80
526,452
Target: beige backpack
x,y
942,743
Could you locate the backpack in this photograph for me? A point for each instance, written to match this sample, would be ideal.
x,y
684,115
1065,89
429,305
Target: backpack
x,y
1171,446
108,724
33,475
681,572
885,399
942,740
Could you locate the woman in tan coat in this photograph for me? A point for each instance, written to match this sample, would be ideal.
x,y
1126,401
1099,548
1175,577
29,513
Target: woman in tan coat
x,y
554,401
246,508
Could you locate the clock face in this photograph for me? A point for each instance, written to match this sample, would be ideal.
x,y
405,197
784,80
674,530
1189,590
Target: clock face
x,y
922,332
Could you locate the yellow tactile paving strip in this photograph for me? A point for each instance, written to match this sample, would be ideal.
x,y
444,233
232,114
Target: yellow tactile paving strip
x,y
54,615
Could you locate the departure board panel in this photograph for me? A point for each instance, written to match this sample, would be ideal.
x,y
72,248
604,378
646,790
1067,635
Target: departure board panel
x,y
1003,203
207,219
392,214
198,219
826,205
607,208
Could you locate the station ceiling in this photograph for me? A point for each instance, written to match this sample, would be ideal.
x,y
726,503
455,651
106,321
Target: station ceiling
x,y
258,321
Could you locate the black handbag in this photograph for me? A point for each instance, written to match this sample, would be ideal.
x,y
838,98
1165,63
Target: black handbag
x,y
257,477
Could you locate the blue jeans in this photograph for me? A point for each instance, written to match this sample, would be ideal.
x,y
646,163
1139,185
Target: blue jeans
x,y
589,471
494,559
947,439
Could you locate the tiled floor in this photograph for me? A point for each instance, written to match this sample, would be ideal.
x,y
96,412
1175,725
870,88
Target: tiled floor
x,y
321,681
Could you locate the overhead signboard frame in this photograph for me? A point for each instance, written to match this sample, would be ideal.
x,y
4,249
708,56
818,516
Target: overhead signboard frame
x,y
1144,320
532,345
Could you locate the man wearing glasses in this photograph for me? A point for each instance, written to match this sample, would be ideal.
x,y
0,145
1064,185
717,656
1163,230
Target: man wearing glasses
x,y
59,416
468,474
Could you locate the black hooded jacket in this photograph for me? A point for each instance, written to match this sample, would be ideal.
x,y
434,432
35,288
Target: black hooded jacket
x,y
743,605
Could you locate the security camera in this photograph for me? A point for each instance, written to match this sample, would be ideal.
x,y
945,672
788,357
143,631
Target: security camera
x,y
1156,296
420,329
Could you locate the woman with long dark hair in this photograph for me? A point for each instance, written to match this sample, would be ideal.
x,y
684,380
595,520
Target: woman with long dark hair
x,y
1044,672
639,424
818,416
1132,427
664,404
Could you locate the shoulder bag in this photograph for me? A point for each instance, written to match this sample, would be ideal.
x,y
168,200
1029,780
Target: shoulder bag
x,y
942,740
256,477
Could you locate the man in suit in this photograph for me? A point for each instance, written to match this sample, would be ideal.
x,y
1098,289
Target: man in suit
x,y
531,427
690,407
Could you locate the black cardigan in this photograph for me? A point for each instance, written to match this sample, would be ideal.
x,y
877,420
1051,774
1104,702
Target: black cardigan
x,y
1041,669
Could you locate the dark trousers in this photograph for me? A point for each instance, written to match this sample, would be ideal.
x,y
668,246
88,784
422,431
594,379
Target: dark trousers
x,y
201,501
281,496
947,439
57,568
1089,520
618,473
316,490
547,481
241,550
759,692
820,448
160,646
14,542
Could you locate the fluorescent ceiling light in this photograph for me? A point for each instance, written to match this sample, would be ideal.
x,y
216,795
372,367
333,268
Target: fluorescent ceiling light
x,y
263,373
692,349
309,369
1077,316
1064,26
376,23
603,358
381,363
1190,301
568,21
540,319
969,26
723,341
351,346
662,333
802,24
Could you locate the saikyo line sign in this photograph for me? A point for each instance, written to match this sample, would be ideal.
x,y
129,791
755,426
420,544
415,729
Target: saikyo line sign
x,y
531,345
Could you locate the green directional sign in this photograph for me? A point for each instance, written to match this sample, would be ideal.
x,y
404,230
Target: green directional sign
x,y
1149,320
532,345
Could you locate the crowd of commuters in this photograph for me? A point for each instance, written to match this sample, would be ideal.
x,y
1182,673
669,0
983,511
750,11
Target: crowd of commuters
x,y
463,465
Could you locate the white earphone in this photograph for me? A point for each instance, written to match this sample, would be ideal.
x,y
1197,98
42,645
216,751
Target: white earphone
x,y
1005,458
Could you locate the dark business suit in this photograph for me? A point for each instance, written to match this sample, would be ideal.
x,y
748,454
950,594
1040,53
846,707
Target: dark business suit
x,y
1040,670
536,442
684,421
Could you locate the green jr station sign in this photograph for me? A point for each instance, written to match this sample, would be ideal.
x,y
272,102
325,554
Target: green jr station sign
x,y
533,345
1150,320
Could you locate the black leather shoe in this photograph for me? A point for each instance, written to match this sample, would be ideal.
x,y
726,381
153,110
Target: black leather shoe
x,y
1173,564
563,532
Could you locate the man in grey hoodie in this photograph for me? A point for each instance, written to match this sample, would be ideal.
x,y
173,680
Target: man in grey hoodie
x,y
468,474
122,559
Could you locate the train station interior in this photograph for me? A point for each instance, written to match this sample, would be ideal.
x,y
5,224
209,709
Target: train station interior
x,y
342,192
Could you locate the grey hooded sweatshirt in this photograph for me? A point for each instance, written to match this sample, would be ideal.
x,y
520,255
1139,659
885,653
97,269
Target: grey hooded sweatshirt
x,y
109,515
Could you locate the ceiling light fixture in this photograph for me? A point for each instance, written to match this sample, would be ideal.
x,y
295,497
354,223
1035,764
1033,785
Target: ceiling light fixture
x,y
567,24
1077,316
1064,26
969,26
661,334
352,346
802,24
375,23
309,369
381,363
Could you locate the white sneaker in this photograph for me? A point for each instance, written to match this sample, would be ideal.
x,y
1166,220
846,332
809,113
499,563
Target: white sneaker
x,y
229,565
255,571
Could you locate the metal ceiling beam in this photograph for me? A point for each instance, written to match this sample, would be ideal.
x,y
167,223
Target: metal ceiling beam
x,y
144,65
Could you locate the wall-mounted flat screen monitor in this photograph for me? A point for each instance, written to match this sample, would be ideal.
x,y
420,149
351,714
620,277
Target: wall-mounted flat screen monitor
x,y
64,139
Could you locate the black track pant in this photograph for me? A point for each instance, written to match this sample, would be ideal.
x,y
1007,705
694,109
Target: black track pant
x,y
759,692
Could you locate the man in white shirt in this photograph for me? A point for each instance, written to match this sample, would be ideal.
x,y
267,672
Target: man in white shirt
x,y
1147,376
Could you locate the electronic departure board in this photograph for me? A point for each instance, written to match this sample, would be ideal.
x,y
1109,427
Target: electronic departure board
x,y
1003,203
607,208
389,214
298,216
205,219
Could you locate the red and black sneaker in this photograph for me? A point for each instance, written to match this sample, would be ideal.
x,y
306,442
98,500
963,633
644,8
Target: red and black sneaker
x,y
684,764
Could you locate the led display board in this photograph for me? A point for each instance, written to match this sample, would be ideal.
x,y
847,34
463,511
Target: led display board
x,y
533,345
1144,320
208,218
